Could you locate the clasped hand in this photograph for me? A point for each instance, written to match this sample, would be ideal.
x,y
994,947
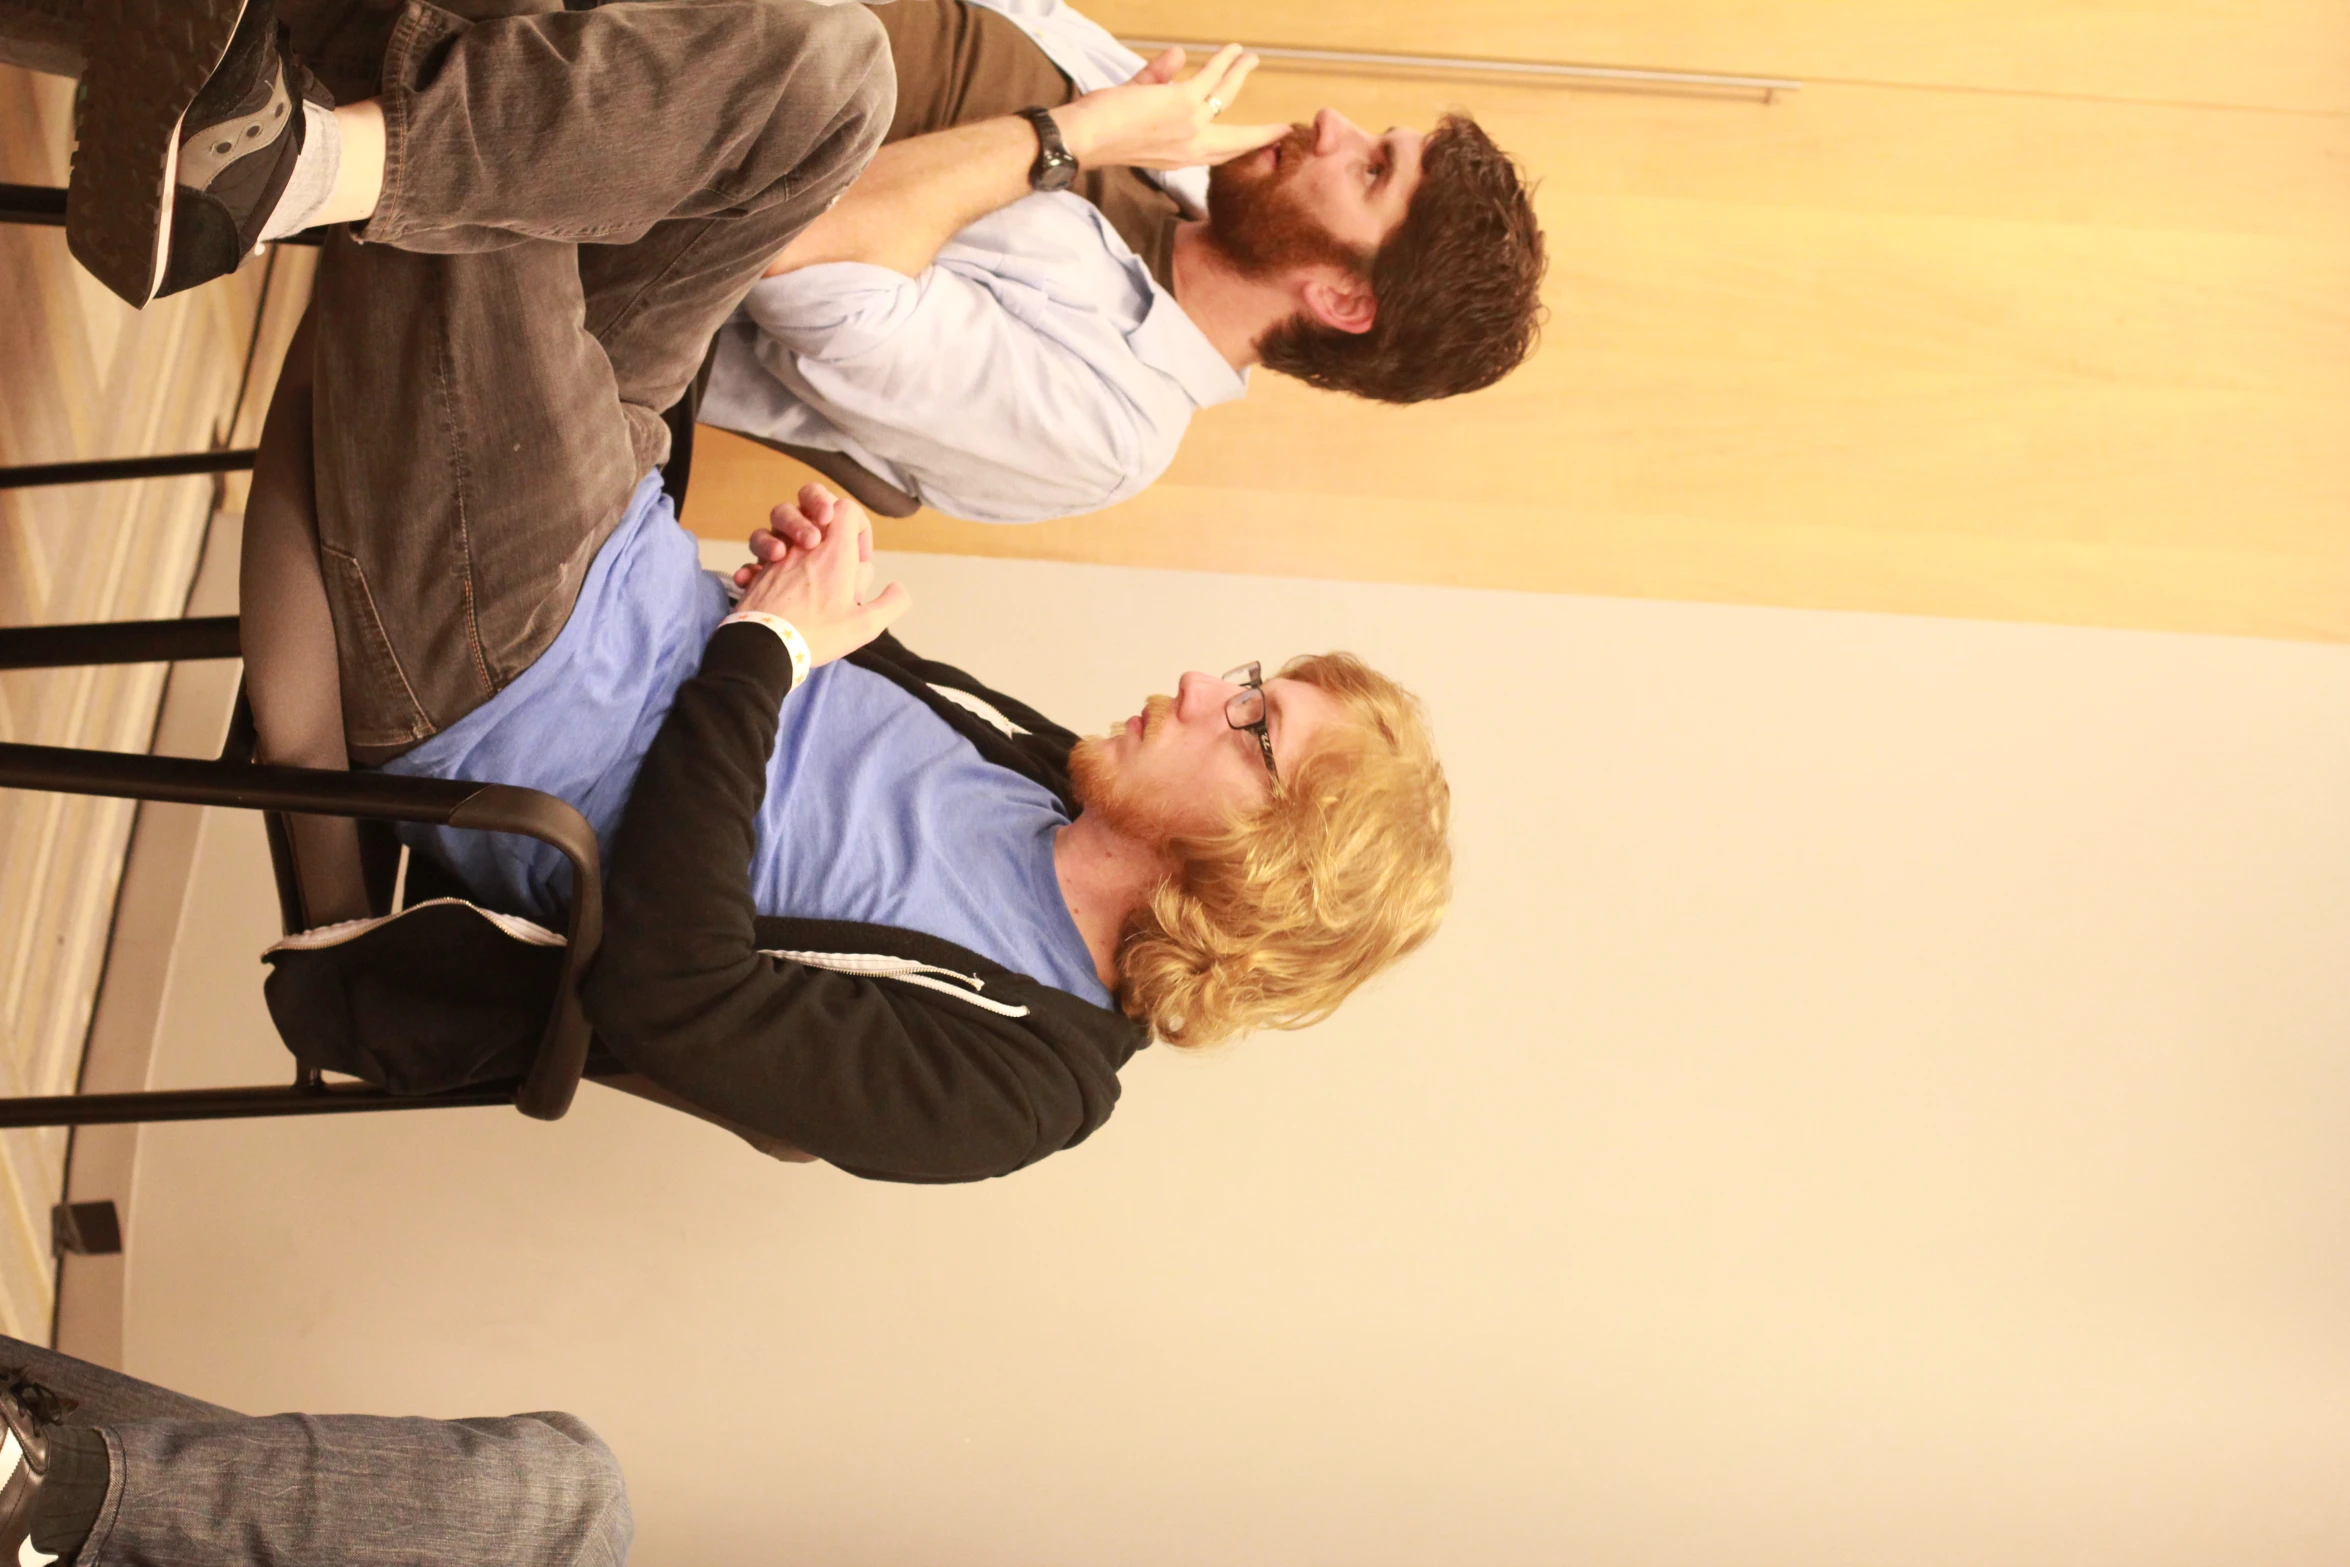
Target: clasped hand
x,y
810,565
1157,122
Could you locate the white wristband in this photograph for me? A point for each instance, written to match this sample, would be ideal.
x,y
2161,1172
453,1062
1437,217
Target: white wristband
x,y
793,642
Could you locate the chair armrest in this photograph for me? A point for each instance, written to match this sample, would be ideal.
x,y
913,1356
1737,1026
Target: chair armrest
x,y
250,786
562,1056
447,802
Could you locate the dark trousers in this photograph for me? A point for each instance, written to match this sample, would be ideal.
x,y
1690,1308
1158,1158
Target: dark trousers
x,y
572,203
194,1485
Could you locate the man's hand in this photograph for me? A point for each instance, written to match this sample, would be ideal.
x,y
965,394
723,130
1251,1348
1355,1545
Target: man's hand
x,y
1157,122
809,566
919,193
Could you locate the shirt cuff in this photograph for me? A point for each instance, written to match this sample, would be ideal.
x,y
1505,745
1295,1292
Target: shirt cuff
x,y
746,650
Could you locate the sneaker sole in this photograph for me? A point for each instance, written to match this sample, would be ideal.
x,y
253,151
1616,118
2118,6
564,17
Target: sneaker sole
x,y
157,56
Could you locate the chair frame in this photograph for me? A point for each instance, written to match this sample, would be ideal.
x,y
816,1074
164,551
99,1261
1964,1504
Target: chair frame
x,y
234,780
238,782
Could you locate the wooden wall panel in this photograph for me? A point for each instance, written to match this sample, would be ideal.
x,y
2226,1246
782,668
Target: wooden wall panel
x,y
2275,54
1969,353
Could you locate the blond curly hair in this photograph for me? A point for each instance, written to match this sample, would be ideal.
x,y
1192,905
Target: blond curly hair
x,y
1274,921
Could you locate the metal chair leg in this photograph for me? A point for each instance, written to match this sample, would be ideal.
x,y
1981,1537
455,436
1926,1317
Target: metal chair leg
x,y
227,1104
44,206
27,476
118,642
34,204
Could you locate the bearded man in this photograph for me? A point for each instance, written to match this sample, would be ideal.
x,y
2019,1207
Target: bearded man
x,y
1001,321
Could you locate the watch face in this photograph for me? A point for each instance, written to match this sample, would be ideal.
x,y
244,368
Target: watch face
x,y
1055,170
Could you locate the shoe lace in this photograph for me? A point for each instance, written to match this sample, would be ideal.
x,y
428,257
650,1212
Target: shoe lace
x,y
45,1404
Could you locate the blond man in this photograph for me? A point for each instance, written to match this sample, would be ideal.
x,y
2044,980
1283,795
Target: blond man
x,y
863,906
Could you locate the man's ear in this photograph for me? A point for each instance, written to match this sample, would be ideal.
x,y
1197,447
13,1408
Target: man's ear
x,y
1339,300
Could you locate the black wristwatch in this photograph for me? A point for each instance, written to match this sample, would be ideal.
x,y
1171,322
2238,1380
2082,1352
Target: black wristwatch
x,y
1055,167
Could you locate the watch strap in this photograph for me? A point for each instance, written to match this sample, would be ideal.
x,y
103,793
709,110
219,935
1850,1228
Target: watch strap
x,y
1055,167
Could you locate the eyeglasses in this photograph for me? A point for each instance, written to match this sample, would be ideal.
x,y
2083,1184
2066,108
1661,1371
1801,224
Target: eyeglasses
x,y
1246,710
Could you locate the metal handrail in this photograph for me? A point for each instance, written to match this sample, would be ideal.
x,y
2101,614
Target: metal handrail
x,y
1453,64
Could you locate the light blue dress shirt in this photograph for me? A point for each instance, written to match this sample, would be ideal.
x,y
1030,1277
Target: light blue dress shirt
x,y
1035,370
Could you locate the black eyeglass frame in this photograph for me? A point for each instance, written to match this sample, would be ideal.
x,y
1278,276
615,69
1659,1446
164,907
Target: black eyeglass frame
x,y
1250,677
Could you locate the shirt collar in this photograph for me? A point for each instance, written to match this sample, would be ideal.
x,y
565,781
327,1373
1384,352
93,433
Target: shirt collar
x,y
1171,341
1166,339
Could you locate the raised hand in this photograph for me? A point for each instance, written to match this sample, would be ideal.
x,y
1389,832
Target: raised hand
x,y
1157,122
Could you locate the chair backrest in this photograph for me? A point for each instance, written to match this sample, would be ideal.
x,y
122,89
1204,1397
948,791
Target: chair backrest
x,y
293,684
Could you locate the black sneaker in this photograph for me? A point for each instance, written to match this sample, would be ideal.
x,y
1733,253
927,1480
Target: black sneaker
x,y
189,126
25,1407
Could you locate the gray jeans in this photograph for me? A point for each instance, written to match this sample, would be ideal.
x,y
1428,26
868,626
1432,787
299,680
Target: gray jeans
x,y
573,203
195,1485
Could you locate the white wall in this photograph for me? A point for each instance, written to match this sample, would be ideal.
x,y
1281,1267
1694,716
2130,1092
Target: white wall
x,y
1882,1097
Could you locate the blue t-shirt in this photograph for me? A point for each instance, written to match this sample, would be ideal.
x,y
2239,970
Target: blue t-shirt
x,y
876,810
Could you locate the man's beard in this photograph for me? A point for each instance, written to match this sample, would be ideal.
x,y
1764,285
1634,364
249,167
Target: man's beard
x,y
1103,792
1257,222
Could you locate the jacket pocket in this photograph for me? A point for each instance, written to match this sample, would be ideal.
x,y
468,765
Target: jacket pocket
x,y
379,705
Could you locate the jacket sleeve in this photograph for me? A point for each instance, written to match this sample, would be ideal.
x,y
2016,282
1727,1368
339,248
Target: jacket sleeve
x,y
882,1079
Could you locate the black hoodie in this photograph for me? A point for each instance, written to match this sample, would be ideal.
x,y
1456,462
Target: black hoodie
x,y
887,1052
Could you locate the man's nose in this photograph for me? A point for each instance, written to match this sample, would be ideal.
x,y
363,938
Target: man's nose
x,y
1330,131
1197,691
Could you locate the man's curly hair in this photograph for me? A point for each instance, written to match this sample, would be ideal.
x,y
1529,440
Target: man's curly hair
x,y
1274,921
1458,285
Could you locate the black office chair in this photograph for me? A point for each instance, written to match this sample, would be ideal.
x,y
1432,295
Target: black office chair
x,y
377,981
544,1091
